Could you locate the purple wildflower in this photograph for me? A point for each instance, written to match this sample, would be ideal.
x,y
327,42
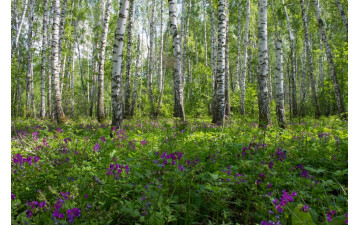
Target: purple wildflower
x,y
96,147
28,213
72,214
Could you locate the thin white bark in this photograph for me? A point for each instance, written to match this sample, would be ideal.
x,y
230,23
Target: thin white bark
x,y
178,85
310,59
293,71
30,56
19,29
128,63
100,105
43,60
263,93
219,104
280,104
243,74
116,81
60,116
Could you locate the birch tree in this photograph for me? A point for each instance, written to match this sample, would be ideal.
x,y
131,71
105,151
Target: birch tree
x,y
128,63
61,30
243,74
227,67
100,105
178,85
43,60
116,80
310,59
18,31
219,103
205,35
238,60
30,57
337,91
343,16
134,96
60,116
150,60
280,103
161,85
293,72
263,93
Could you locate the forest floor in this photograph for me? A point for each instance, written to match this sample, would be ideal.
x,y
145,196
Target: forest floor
x,y
168,172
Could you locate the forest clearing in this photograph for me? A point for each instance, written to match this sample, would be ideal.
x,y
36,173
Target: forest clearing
x,y
179,112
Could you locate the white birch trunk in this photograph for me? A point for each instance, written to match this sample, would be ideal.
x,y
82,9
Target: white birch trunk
x,y
280,104
128,63
49,71
151,61
43,61
263,92
293,71
136,75
100,105
310,59
205,35
116,81
60,116
219,103
30,56
227,69
243,74
238,60
178,85
61,31
161,59
19,29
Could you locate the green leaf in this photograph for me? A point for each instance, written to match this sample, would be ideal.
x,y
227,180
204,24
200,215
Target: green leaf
x,y
300,217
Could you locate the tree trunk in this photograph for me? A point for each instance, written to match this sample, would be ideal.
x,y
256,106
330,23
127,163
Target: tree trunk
x,y
186,33
227,69
80,67
13,50
263,93
243,75
343,17
213,57
337,91
293,71
72,87
134,96
100,106
128,63
60,116
238,60
178,85
310,60
49,70
150,61
219,104
205,38
43,61
161,60
116,80
280,107
61,31
30,56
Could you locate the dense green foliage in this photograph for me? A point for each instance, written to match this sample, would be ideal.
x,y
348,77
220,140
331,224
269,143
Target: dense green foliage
x,y
179,173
